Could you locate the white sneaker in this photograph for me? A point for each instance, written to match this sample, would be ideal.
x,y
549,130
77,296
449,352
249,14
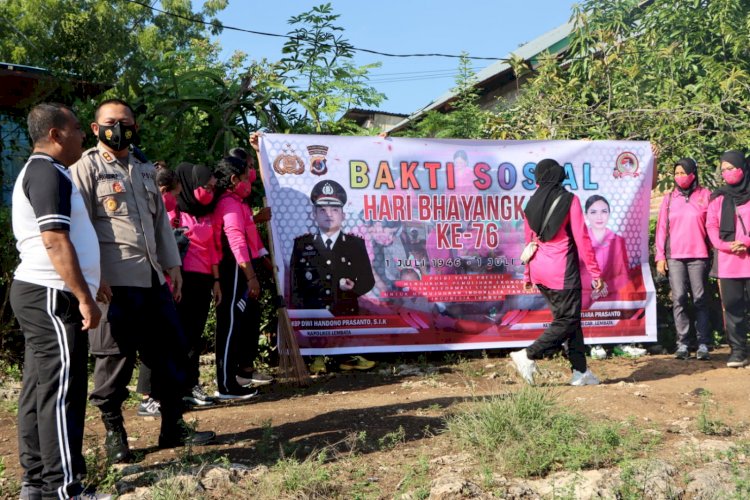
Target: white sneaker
x,y
598,352
585,378
239,395
255,380
526,367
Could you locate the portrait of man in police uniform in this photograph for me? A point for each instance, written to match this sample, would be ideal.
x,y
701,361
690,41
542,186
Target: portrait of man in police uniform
x,y
329,269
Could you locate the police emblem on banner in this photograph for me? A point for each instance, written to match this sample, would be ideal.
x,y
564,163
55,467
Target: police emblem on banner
x,y
318,160
626,165
288,162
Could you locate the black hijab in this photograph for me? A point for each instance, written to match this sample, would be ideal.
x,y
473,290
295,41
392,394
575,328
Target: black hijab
x,y
549,176
192,177
739,194
690,167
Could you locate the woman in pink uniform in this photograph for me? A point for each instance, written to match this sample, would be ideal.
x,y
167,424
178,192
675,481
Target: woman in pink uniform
x,y
238,315
682,251
200,266
553,218
727,223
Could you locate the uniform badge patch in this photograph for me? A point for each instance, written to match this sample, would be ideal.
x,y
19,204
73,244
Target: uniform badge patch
x,y
110,204
308,275
118,187
106,155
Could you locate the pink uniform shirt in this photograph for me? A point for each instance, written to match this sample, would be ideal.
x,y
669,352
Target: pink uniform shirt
x,y
555,264
235,218
687,226
730,264
204,250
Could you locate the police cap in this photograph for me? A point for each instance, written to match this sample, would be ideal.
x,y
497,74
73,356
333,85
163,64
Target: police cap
x,y
328,194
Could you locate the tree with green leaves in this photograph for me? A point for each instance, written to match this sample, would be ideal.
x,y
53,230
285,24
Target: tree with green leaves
x,y
113,42
317,72
191,105
673,73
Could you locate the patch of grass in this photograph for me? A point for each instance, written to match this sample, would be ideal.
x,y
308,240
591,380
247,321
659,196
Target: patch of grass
x,y
469,368
737,458
9,488
9,405
416,483
451,358
707,424
529,433
392,439
363,483
309,478
99,474
175,488
265,444
631,486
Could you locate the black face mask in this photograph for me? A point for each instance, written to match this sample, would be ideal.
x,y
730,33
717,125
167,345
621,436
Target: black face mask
x,y
118,136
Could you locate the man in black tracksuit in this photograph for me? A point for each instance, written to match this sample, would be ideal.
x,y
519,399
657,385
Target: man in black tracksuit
x,y
52,297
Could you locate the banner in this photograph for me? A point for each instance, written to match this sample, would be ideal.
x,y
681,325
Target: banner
x,y
392,244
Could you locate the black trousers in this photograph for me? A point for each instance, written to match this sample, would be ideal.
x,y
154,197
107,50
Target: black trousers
x,y
52,404
237,326
566,325
193,312
144,322
734,296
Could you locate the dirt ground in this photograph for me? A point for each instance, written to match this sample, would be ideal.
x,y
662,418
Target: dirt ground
x,y
658,392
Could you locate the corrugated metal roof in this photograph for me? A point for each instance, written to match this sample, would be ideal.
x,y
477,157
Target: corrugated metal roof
x,y
374,111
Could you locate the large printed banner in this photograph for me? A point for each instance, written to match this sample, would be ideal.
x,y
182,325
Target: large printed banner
x,y
391,244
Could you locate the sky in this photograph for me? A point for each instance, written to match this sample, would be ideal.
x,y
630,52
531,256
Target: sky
x,y
483,28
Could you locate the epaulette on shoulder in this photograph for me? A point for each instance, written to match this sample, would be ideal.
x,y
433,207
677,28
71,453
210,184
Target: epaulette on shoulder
x,y
354,236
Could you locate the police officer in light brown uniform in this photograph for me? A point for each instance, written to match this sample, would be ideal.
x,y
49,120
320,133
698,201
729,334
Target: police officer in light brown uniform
x,y
330,269
137,247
